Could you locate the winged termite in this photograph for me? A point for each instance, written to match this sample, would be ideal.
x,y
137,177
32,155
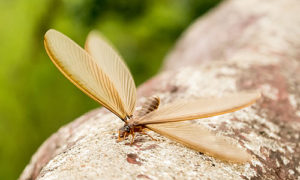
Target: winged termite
x,y
99,71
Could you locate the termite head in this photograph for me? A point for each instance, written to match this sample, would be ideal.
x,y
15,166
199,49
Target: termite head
x,y
124,131
127,129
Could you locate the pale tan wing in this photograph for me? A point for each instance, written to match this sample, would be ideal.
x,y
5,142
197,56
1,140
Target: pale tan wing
x,y
81,69
201,139
113,65
199,108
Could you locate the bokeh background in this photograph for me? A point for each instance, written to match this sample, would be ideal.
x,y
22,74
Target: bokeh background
x,y
35,98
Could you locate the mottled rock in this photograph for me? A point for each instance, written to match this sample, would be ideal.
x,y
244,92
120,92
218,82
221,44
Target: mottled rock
x,y
241,45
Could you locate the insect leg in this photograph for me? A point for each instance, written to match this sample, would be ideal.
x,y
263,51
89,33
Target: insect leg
x,y
143,132
132,135
119,137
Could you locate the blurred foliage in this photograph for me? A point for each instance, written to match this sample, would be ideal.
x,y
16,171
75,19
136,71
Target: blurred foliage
x,y
35,98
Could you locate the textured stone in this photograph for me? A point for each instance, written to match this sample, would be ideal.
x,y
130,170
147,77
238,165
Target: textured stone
x,y
241,45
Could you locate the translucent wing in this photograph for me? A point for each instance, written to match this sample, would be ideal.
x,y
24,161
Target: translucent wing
x,y
201,139
113,65
199,108
82,70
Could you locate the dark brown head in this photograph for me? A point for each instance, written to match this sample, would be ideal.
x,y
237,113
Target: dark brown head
x,y
124,131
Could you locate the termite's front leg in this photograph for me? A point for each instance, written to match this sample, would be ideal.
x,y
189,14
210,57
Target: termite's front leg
x,y
119,137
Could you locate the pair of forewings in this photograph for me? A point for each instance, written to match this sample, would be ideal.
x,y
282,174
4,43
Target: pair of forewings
x,y
99,71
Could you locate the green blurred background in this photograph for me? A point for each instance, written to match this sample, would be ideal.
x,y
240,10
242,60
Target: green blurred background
x,y
35,98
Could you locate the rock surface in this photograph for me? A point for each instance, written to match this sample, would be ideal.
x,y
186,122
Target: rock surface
x,y
241,45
